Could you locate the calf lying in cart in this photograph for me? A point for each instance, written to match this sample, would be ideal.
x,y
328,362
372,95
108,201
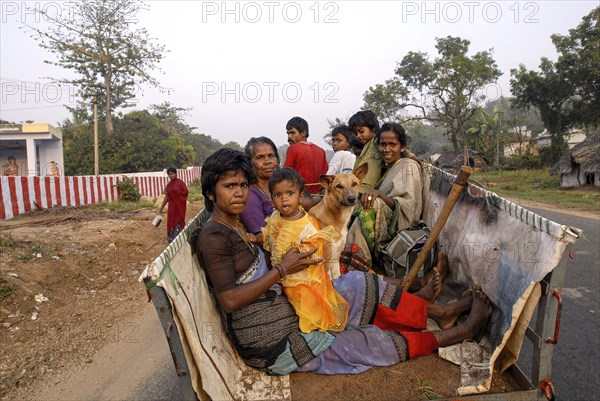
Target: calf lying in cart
x,y
515,255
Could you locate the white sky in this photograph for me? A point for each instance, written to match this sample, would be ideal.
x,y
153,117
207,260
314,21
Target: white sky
x,y
241,70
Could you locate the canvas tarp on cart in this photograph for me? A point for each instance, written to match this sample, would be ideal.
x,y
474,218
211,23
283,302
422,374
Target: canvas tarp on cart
x,y
505,249
490,241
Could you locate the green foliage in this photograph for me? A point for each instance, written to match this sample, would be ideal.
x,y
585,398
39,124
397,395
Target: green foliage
x,y
550,154
140,142
25,250
78,149
5,289
128,191
173,118
485,133
501,122
100,42
445,91
565,91
195,191
515,115
525,161
383,99
424,138
122,206
6,241
205,145
424,385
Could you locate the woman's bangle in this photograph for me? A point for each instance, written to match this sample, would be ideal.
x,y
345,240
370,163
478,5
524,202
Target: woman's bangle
x,y
281,271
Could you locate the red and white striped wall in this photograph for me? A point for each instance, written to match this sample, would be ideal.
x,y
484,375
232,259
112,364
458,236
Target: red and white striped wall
x,y
19,195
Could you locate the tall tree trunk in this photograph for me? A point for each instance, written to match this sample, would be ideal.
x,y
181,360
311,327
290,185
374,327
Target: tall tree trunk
x,y
454,140
109,123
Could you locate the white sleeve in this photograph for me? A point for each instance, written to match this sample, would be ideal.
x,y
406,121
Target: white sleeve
x,y
348,163
335,164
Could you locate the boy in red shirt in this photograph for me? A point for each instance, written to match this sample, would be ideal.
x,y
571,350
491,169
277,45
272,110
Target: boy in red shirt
x,y
305,157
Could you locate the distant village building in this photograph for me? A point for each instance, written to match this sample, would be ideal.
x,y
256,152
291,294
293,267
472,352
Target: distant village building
x,y
519,147
581,164
451,162
574,137
31,150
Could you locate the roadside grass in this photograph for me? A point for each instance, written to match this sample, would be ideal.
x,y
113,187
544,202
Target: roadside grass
x,y
195,191
540,187
424,386
5,289
25,250
121,206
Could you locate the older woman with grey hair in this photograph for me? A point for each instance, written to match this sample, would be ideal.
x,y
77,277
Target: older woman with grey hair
x,y
265,160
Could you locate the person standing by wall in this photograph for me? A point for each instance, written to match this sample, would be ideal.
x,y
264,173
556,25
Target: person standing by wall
x,y
176,195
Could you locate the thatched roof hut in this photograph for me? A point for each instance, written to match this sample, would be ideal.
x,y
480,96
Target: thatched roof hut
x,y
581,164
450,161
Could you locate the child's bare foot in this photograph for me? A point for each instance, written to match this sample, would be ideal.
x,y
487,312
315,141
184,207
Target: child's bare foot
x,y
420,282
433,289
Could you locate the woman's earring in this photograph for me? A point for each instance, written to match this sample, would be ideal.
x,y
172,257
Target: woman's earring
x,y
210,197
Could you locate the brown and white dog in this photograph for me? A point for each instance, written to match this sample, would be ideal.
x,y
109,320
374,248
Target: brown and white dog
x,y
335,209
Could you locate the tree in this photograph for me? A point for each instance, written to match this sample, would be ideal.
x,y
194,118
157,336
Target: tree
x,y
172,117
205,145
445,91
424,137
566,92
140,142
78,117
485,134
383,99
97,41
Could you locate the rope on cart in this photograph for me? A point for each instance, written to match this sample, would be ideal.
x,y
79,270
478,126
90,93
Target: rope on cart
x,y
173,278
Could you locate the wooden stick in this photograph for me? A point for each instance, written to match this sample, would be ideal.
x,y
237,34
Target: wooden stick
x,y
459,185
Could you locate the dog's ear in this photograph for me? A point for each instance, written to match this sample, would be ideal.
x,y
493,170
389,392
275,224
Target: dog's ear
x,y
362,171
326,180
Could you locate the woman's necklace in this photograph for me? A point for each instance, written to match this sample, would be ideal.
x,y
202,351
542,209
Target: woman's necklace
x,y
237,230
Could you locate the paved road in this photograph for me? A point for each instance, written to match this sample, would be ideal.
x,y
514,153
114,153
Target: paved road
x,y
576,363
143,369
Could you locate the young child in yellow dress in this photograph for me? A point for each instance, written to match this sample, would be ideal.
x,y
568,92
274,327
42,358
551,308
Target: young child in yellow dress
x,y
318,305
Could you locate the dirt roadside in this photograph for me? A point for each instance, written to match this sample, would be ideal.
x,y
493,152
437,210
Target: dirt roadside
x,y
68,286
83,266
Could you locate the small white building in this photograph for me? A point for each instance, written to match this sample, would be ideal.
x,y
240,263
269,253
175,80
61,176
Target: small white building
x,y
574,137
31,150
